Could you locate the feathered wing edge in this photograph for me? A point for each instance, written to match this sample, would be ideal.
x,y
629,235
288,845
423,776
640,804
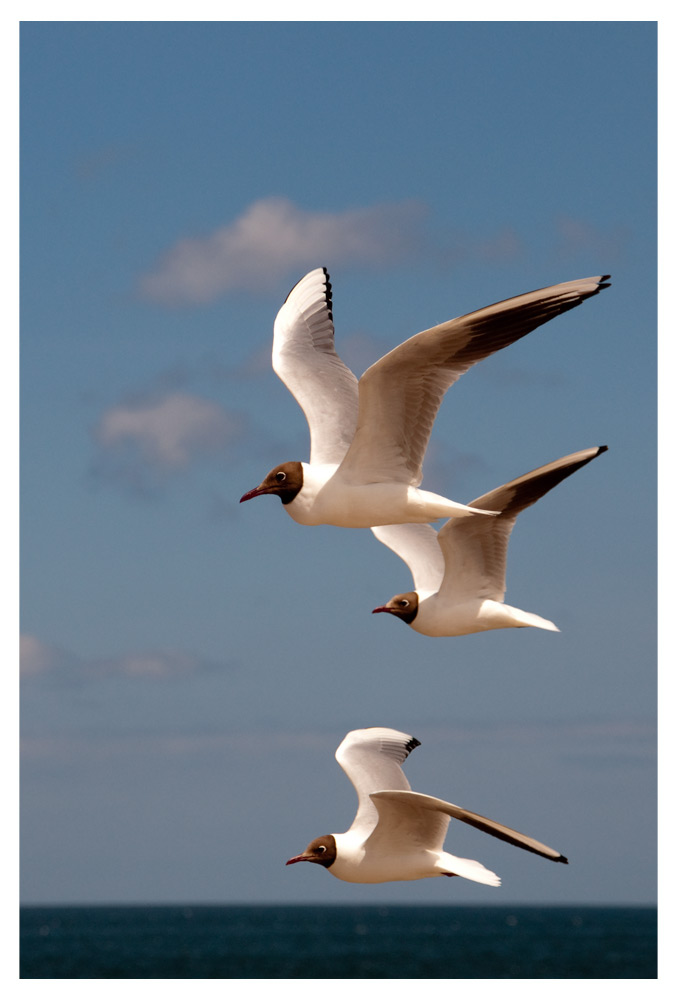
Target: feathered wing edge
x,y
372,758
400,394
305,358
514,497
475,549
489,826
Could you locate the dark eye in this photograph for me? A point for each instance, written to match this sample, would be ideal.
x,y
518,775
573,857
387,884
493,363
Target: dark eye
x,y
321,849
280,476
404,603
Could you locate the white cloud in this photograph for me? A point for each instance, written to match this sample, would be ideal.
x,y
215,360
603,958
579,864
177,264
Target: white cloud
x,y
153,664
274,238
39,659
164,432
35,656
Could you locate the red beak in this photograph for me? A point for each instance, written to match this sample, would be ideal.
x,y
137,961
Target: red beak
x,y
376,610
256,492
299,857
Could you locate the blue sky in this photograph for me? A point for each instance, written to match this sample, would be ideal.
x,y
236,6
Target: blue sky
x,y
189,664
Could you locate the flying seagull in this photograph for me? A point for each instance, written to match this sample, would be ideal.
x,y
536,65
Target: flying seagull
x,y
398,835
459,572
368,438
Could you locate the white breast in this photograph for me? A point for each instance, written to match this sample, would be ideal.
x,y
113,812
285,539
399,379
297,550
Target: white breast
x,y
355,864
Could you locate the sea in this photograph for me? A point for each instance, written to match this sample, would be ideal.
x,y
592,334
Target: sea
x,y
338,942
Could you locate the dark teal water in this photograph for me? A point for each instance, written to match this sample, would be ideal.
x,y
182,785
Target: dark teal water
x,y
338,942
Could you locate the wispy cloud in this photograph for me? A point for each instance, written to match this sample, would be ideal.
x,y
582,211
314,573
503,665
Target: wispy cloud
x,y
609,743
169,431
42,660
153,664
575,235
143,441
97,161
273,239
622,743
36,657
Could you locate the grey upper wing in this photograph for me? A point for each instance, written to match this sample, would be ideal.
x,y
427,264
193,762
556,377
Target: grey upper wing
x,y
405,825
400,394
475,549
422,803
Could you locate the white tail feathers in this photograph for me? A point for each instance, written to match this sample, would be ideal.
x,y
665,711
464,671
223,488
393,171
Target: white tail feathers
x,y
526,618
469,869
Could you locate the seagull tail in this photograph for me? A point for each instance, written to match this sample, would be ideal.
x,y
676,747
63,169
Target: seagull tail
x,y
466,868
523,618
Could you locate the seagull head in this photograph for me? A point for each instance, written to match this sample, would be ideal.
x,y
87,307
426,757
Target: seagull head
x,y
321,851
284,481
404,606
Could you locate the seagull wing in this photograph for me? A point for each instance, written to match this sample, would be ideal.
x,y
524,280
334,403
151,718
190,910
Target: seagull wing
x,y
476,556
404,825
406,812
371,758
417,545
400,395
305,359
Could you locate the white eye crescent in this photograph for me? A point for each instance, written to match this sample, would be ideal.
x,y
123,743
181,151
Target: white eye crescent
x,y
321,848
404,604
280,476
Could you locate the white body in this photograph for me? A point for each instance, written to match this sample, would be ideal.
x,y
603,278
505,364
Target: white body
x,y
358,862
327,499
437,618
368,439
398,835
459,572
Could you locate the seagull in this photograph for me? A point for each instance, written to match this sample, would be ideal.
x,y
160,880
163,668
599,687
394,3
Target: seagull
x,y
398,835
459,572
368,439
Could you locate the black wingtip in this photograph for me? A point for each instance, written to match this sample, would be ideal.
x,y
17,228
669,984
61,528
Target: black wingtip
x,y
328,295
412,744
562,860
602,447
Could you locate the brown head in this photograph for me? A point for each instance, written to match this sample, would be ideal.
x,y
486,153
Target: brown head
x,y
284,481
404,606
321,851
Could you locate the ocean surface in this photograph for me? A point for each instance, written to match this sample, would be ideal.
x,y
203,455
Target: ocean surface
x,y
338,942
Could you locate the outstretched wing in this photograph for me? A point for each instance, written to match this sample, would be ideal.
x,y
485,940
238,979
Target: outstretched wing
x,y
371,758
405,825
413,808
400,394
305,359
475,549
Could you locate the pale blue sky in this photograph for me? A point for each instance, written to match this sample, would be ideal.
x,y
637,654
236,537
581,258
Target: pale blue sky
x,y
191,664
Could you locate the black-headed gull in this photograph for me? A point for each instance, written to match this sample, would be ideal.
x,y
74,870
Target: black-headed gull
x,y
459,572
398,835
368,439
